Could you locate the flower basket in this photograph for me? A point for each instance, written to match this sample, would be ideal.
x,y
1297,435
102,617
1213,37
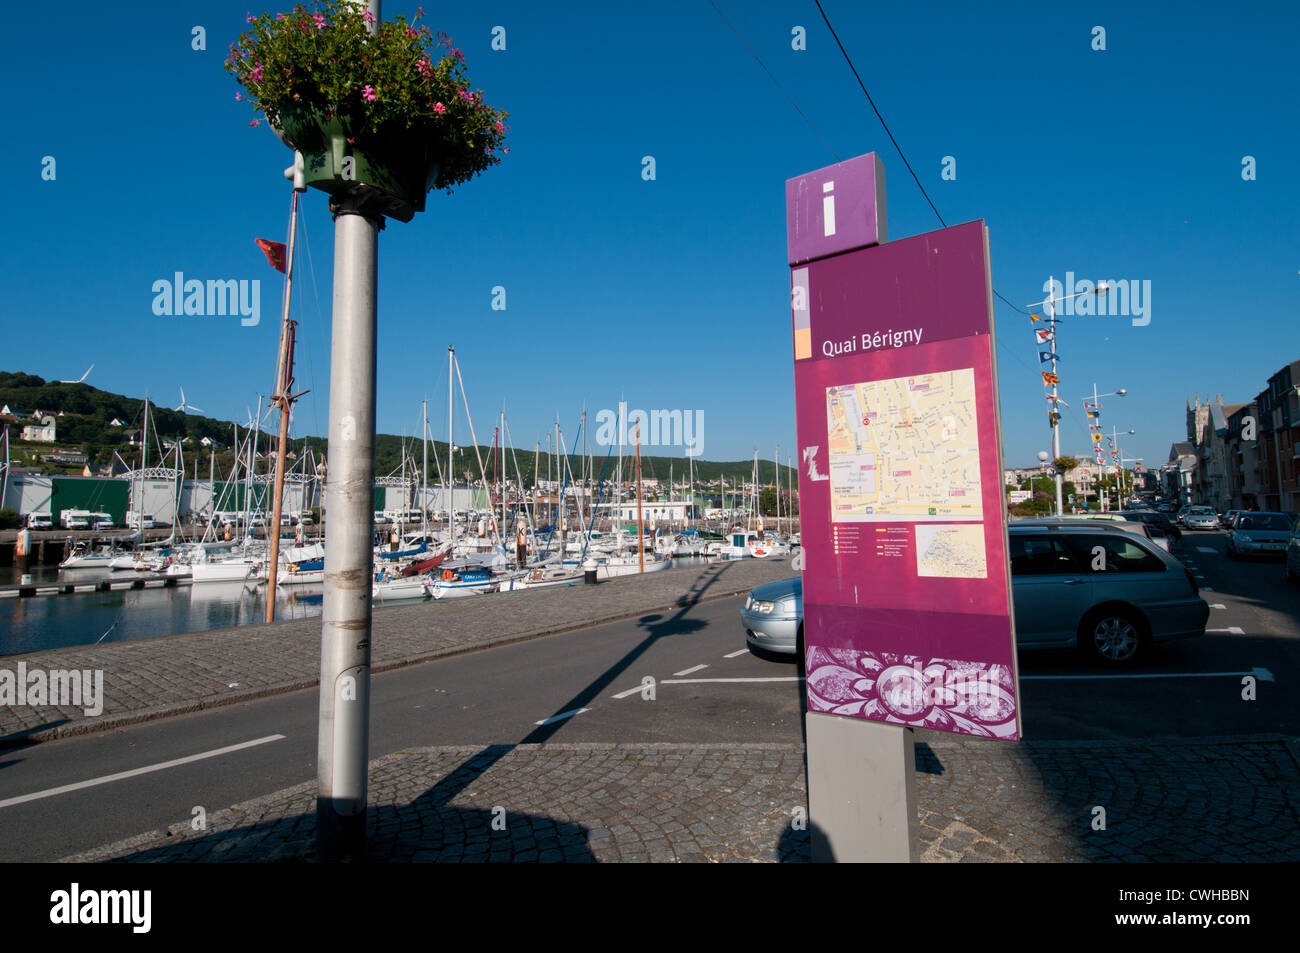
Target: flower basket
x,y
388,173
380,119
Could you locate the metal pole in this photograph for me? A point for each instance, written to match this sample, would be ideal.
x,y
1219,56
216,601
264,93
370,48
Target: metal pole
x,y
1056,429
345,631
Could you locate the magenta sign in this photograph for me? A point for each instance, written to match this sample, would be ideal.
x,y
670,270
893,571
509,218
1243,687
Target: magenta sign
x,y
906,584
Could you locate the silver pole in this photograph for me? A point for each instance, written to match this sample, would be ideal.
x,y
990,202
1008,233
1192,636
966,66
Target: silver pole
x,y
450,481
1056,429
345,631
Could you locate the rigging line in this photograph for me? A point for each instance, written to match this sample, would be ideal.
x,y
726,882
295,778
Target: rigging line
x,y
320,325
788,97
890,133
884,124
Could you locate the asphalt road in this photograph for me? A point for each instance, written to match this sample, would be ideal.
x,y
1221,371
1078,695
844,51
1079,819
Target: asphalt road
x,y
708,688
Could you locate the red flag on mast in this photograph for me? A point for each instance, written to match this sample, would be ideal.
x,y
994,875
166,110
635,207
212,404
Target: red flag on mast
x,y
274,253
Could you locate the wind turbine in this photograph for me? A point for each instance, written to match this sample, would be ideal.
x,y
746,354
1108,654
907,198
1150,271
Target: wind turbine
x,y
82,379
187,407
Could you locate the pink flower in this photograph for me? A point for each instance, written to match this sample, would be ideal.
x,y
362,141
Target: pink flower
x,y
499,127
419,11
464,94
439,108
255,123
425,67
368,17
256,74
280,16
411,33
239,97
368,93
320,20
249,18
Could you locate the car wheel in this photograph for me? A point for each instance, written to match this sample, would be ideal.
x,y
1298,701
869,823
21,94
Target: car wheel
x,y
1113,636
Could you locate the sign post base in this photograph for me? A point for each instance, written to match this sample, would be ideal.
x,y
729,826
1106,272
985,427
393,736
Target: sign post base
x,y
861,791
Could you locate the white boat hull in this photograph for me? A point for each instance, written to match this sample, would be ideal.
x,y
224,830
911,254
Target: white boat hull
x,y
224,572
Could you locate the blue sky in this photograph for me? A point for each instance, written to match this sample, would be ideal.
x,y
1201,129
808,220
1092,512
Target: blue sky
x,y
1120,164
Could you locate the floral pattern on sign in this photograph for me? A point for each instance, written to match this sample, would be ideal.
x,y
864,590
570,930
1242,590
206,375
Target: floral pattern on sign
x,y
975,698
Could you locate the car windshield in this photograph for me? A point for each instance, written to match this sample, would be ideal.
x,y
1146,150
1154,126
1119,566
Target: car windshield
x,y
1200,511
1263,521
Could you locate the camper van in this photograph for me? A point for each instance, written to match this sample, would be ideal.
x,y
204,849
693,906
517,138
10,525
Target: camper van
x,y
39,521
75,519
140,521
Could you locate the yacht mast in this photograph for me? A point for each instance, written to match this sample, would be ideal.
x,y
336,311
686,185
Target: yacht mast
x,y
447,477
640,523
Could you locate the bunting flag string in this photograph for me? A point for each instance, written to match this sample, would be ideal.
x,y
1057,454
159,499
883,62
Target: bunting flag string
x,y
1057,399
1044,335
1050,378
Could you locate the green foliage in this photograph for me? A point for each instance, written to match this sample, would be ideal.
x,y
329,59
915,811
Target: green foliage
x,y
9,518
322,58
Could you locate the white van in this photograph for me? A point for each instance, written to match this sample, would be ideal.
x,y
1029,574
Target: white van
x,y
75,519
39,521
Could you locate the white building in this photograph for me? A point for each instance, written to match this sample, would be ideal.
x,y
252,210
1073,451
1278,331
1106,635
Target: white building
x,y
40,433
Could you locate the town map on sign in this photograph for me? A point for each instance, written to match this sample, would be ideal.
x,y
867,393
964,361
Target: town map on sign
x,y
905,449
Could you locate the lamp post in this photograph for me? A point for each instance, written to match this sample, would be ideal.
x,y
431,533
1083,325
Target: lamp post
x,y
1096,406
1101,288
1133,482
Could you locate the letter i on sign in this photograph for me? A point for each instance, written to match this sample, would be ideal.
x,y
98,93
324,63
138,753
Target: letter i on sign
x,y
828,208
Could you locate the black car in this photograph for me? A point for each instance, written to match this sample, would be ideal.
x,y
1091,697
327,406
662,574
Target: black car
x,y
1152,518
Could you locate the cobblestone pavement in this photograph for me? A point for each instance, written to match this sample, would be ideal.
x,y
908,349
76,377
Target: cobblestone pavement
x,y
152,678
1183,800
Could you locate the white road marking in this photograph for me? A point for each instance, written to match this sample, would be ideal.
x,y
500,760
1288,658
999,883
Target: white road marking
x,y
135,772
687,671
1218,605
561,716
1262,674
698,681
737,652
1207,549
630,691
1230,630
1208,588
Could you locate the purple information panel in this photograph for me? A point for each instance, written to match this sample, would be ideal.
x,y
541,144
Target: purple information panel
x,y
906,583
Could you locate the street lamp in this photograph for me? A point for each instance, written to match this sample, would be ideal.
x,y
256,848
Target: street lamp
x,y
1101,288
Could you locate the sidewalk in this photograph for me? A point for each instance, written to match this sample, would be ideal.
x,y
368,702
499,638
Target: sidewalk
x,y
1224,799
155,678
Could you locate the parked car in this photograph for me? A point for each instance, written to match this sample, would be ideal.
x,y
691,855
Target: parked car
x,y
1089,585
1152,518
1292,569
1201,517
1260,534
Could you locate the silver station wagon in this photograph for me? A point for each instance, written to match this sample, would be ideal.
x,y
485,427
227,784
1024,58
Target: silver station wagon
x,y
1075,583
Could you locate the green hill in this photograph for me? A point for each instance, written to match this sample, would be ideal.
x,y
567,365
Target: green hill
x,y
88,412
